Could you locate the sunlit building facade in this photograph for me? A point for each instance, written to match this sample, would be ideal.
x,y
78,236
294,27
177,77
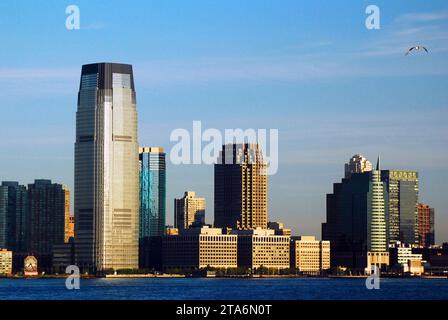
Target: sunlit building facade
x,y
189,211
262,248
69,219
197,248
310,256
402,215
106,169
357,164
426,234
5,261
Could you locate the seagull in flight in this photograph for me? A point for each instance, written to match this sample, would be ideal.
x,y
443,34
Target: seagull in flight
x,y
416,48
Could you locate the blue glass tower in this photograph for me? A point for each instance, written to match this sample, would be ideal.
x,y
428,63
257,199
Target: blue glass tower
x,y
152,201
152,192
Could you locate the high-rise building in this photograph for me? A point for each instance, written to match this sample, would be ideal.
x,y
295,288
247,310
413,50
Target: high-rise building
x,y
402,188
377,246
13,216
106,168
189,211
68,228
46,218
356,221
357,164
241,187
426,235
376,214
309,255
152,191
152,204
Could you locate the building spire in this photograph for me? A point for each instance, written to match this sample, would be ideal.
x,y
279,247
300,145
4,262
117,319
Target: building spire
x,y
378,163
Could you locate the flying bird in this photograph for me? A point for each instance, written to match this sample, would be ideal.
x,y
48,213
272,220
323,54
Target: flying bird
x,y
416,48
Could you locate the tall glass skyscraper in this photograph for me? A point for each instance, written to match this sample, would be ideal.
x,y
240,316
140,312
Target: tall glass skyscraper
x,y
402,212
376,213
356,221
152,191
106,168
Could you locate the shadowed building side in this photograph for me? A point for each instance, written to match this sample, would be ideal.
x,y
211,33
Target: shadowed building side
x,y
241,187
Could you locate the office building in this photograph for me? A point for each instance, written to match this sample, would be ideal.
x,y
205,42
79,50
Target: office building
x,y
262,248
189,211
46,219
70,231
63,255
357,164
279,228
13,216
5,262
152,176
356,221
106,169
170,231
199,248
402,188
377,245
69,220
310,256
241,187
426,236
401,253
415,267
152,191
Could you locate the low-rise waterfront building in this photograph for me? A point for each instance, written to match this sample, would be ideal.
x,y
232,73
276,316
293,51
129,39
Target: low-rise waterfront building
x,y
63,256
262,248
401,254
310,256
197,248
415,267
5,262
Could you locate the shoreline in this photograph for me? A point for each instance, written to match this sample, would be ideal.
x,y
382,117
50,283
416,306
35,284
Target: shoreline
x,y
180,276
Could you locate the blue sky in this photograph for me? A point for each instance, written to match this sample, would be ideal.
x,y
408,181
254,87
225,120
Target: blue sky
x,y
307,68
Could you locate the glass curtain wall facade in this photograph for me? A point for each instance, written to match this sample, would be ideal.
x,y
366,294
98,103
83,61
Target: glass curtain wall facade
x,y
152,192
356,221
376,220
402,213
106,169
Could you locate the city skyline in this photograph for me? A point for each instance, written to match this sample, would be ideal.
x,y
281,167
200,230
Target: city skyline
x,y
281,79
